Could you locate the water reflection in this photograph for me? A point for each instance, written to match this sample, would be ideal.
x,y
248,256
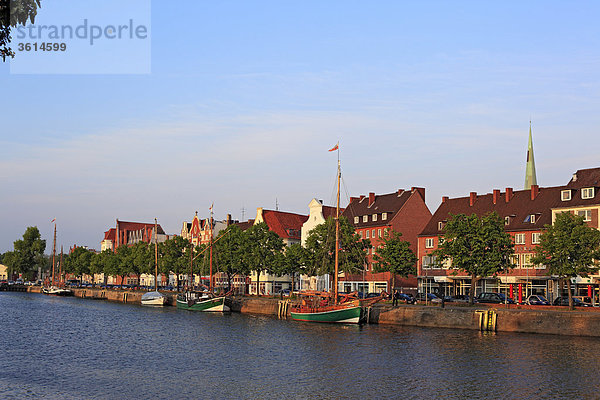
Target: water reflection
x,y
74,348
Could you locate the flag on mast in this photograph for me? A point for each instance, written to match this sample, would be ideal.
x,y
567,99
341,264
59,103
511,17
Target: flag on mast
x,y
53,220
336,147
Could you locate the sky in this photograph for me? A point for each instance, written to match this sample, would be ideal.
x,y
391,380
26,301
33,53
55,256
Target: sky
x,y
235,103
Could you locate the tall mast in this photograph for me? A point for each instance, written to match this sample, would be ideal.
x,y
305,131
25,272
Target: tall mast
x,y
53,254
155,255
337,229
60,273
211,249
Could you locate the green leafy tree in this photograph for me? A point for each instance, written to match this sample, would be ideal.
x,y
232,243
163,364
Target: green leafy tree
x,y
320,249
172,257
296,257
395,256
124,263
142,259
231,253
28,254
476,245
568,248
78,262
106,263
12,14
264,250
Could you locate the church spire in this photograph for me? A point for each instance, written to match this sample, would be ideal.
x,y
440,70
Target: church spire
x,y
530,177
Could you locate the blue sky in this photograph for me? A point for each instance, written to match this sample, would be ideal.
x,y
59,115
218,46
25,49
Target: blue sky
x,y
245,98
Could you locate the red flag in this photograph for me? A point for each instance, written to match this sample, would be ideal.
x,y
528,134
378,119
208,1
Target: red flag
x,y
334,148
53,220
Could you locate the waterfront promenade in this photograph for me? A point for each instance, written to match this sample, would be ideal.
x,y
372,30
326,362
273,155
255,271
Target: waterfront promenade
x,y
514,318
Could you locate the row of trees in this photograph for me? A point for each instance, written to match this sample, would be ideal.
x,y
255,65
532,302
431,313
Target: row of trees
x,y
481,247
235,252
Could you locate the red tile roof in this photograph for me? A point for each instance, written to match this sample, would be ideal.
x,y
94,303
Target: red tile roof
x,y
389,203
286,225
245,225
584,178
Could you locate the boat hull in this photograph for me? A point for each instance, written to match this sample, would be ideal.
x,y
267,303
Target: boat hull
x,y
346,315
216,304
55,291
154,299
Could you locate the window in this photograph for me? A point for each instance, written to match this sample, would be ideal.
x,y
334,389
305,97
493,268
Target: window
x,y
535,238
367,234
526,261
386,232
379,233
520,238
361,234
506,220
587,193
429,243
374,217
428,262
440,225
384,216
586,214
565,195
514,260
530,218
356,220
365,218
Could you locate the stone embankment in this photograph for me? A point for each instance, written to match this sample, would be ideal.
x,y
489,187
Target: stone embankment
x,y
522,319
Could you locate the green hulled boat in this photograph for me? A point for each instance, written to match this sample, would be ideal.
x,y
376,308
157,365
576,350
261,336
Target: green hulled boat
x,y
200,301
341,313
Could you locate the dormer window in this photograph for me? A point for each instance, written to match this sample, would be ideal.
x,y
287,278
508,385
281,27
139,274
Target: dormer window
x,y
531,218
365,218
383,216
565,195
356,219
374,217
440,225
507,220
587,193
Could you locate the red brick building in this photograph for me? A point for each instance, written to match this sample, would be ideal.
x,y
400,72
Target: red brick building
x,y
403,211
525,213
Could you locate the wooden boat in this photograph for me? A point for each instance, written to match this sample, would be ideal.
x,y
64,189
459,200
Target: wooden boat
x,y
155,298
321,307
206,300
55,289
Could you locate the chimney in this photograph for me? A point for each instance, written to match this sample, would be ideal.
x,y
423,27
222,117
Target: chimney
x,y
575,177
509,194
496,195
229,219
444,199
371,198
362,196
400,191
420,190
535,190
472,198
321,201
352,199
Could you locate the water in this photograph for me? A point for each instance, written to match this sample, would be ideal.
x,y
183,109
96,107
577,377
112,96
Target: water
x,y
70,348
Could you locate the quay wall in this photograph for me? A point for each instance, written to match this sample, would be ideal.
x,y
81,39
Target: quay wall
x,y
540,320
554,321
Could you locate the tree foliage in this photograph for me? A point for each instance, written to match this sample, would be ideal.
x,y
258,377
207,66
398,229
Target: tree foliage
x,y
568,248
28,254
476,245
320,247
264,250
79,261
13,13
395,256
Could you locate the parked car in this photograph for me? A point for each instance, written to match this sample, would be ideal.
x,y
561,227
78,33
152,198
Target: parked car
x,y
284,292
409,299
430,297
494,298
537,300
371,295
564,301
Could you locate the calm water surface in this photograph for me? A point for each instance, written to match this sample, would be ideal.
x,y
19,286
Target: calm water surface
x,y
70,348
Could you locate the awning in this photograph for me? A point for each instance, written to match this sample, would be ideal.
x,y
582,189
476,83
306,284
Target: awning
x,y
508,279
444,279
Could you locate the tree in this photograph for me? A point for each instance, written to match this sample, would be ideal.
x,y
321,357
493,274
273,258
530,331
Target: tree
x,y
395,256
295,259
568,248
320,246
172,257
476,245
231,253
264,246
28,254
13,13
79,261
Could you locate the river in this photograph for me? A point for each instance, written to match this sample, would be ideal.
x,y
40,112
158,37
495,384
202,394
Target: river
x,y
71,348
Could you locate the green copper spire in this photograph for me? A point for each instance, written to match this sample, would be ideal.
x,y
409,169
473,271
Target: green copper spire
x,y
530,177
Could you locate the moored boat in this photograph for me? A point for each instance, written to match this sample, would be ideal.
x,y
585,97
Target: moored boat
x,y
57,291
201,301
154,298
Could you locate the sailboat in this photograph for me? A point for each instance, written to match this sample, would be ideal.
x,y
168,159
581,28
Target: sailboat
x,y
321,306
56,289
203,300
155,298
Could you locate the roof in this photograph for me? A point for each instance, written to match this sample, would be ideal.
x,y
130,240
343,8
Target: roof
x,y
389,203
136,226
245,225
110,234
585,178
519,208
286,225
